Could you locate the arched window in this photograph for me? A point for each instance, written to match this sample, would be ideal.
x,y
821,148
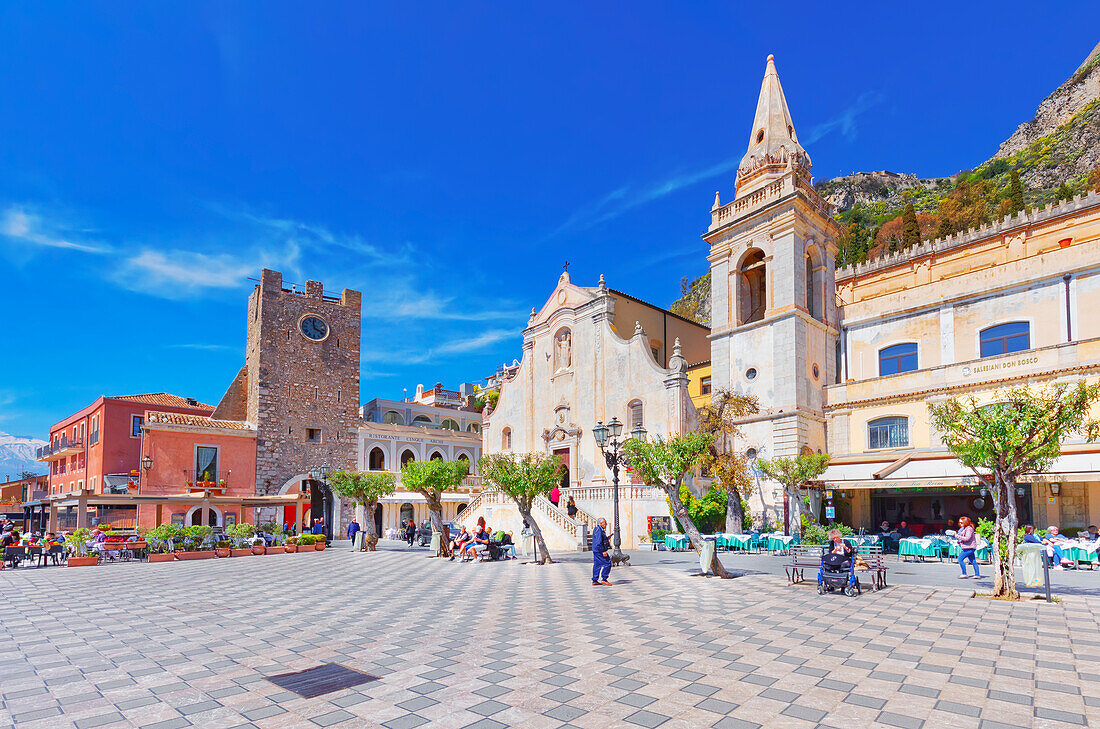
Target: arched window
x,y
506,439
888,432
436,456
473,428
422,420
897,358
376,461
753,287
636,414
393,417
407,456
449,424
1014,336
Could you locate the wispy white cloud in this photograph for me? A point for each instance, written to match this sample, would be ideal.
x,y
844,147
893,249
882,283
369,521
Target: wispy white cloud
x,y
845,121
400,302
626,198
177,273
204,347
481,341
20,225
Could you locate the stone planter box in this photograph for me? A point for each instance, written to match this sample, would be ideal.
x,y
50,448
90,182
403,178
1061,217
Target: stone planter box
x,y
319,547
258,550
245,552
162,557
222,551
207,554
276,550
306,547
291,548
75,561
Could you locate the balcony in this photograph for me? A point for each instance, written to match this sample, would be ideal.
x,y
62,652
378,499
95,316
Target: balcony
x,y
209,481
63,447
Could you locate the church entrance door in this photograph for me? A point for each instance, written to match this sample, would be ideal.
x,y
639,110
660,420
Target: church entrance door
x,y
563,453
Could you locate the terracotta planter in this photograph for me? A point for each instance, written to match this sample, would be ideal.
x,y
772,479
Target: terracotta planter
x,y
162,557
306,547
245,552
291,548
208,554
75,561
319,546
222,551
276,550
258,549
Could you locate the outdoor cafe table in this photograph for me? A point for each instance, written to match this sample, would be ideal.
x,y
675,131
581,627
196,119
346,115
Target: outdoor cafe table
x,y
676,541
778,542
921,548
1080,551
734,541
856,540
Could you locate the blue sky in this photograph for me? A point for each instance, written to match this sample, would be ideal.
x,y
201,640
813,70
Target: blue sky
x,y
444,158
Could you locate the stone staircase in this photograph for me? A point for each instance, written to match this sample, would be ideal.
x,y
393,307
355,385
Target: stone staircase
x,y
561,532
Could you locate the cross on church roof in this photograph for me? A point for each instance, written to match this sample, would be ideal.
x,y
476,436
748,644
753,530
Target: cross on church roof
x,y
565,267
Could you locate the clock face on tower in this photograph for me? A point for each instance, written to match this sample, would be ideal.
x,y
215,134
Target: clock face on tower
x,y
313,327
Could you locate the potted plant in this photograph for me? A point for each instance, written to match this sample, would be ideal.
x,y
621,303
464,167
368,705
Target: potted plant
x,y
280,539
222,548
193,542
319,544
160,544
241,536
221,482
291,545
305,543
78,549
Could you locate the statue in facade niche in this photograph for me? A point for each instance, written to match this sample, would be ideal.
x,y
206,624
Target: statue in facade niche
x,y
562,351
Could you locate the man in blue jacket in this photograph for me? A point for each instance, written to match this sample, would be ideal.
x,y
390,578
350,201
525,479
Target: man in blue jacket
x,y
601,560
353,529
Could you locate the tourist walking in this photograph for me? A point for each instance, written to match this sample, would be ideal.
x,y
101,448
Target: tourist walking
x,y
601,560
353,529
968,546
571,508
410,532
555,495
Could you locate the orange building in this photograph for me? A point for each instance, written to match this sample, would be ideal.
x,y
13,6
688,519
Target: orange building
x,y
98,449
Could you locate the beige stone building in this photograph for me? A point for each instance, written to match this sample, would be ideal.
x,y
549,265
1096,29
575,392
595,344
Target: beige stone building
x,y
849,360
590,354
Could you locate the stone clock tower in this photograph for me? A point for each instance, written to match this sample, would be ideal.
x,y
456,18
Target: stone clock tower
x,y
774,317
300,383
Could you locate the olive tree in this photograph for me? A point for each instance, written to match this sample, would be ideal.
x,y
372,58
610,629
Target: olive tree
x,y
365,488
795,475
721,418
1020,433
431,479
524,478
665,463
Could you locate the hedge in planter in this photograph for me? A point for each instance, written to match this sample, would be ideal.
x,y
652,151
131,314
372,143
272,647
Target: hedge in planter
x,y
77,544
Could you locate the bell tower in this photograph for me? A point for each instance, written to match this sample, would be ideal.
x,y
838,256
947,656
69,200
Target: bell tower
x,y
772,262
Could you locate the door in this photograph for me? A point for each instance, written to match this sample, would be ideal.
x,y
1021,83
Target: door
x,y
563,453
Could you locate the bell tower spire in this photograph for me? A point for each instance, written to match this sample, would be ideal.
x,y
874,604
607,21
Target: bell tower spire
x,y
773,141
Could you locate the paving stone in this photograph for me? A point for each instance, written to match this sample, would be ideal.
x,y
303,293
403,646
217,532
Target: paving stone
x,y
956,708
408,721
731,722
899,720
1066,717
647,719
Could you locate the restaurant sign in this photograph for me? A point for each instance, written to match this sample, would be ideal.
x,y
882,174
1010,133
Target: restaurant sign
x,y
909,484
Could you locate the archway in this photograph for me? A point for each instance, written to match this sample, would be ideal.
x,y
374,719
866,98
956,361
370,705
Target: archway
x,y
407,456
406,511
376,461
321,505
754,283
203,516
437,456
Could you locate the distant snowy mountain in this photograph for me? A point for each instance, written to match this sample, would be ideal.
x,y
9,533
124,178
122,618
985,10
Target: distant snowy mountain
x,y
17,454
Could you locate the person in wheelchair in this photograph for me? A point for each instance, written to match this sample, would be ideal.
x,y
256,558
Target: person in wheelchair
x,y
837,566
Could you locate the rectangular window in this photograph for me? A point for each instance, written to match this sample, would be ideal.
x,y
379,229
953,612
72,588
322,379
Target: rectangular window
x,y
892,432
206,463
1007,338
704,386
136,421
313,435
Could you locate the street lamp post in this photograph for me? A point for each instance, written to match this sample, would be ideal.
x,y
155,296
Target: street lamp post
x,y
607,439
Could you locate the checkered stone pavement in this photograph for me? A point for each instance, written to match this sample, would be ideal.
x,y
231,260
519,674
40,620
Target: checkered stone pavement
x,y
167,646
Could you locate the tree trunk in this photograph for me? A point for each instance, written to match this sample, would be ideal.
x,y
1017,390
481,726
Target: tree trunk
x,y
435,513
794,509
735,516
1004,571
681,513
370,536
540,543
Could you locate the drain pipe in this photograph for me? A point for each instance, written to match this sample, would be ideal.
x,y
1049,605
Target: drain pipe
x,y
1069,314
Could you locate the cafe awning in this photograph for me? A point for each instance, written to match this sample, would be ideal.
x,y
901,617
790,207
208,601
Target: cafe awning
x,y
941,470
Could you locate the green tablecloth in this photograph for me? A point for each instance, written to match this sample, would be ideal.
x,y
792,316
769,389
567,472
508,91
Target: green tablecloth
x,y
982,553
676,541
779,543
735,541
1079,554
912,547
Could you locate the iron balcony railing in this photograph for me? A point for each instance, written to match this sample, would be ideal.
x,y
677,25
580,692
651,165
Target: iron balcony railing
x,y
59,448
